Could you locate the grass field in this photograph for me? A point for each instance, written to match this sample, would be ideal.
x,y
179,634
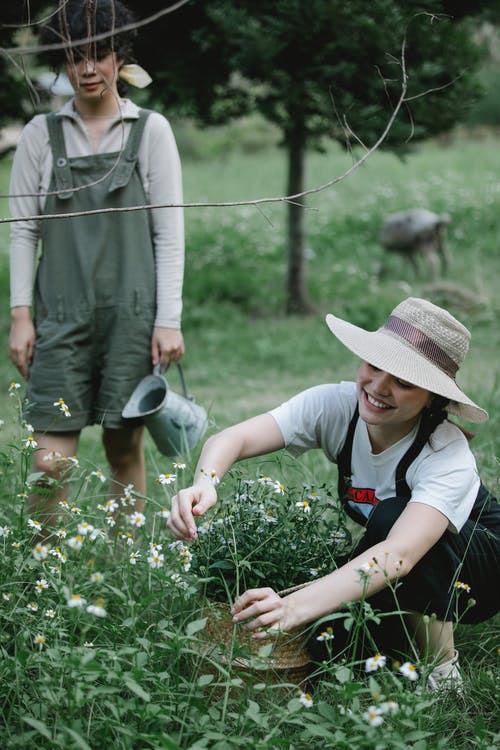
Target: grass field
x,y
135,678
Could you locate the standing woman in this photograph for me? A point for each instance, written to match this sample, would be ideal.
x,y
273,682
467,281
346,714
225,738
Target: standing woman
x,y
108,287
405,472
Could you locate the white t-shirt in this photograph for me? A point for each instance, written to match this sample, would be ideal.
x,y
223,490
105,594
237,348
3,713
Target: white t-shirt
x,y
443,475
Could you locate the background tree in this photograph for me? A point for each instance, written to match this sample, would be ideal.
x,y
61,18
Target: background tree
x,y
17,96
312,65
310,68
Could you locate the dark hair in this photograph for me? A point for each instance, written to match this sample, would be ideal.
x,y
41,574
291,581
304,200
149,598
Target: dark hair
x,y
84,19
435,413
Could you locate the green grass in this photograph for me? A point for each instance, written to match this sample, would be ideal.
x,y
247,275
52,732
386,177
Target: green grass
x,y
144,684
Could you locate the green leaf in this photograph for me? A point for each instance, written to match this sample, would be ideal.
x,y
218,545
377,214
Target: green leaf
x,y
222,565
327,711
253,712
265,651
253,709
294,705
119,593
196,626
418,734
80,742
141,659
136,688
199,744
168,743
343,674
375,688
317,730
205,679
40,726
36,476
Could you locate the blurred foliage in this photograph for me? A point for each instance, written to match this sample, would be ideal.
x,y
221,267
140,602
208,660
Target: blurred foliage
x,y
312,64
216,60
17,95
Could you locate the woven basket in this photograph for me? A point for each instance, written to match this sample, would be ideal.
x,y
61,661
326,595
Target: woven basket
x,y
229,645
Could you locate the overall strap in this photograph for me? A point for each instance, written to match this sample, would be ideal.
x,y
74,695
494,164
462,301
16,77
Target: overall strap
x,y
345,469
402,488
128,158
344,459
61,168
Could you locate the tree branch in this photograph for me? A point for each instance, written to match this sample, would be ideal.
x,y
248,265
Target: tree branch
x,y
254,202
31,50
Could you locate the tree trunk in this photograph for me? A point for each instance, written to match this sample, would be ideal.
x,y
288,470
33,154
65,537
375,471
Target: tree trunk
x,y
296,286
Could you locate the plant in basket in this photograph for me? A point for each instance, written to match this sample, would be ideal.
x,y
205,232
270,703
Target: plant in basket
x,y
265,534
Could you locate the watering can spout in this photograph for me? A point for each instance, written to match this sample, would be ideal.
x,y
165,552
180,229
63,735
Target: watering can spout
x,y
176,422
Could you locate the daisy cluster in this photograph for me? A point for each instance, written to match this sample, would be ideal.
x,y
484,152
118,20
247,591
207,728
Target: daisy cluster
x,y
378,661
264,533
381,707
67,574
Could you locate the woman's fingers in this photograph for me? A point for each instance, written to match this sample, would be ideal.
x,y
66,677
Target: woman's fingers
x,y
181,521
22,345
251,596
263,607
166,344
187,503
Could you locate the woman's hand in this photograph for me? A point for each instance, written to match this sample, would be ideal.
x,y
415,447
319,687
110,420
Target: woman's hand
x,y
22,339
266,611
193,501
254,437
167,345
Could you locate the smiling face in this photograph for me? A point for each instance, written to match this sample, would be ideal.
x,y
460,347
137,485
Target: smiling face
x,y
390,407
94,76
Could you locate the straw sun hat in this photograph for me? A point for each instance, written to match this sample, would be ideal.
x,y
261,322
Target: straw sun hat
x,y
421,343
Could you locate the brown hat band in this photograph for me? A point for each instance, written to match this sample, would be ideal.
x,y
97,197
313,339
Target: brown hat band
x,y
422,344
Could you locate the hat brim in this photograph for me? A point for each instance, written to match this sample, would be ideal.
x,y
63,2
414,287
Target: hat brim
x,y
394,355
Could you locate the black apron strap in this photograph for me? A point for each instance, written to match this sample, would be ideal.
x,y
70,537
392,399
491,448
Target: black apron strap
x,y
486,508
402,489
344,466
61,168
345,469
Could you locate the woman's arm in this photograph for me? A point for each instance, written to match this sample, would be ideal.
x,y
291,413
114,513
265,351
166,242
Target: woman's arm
x,y
25,185
417,530
254,437
25,200
159,156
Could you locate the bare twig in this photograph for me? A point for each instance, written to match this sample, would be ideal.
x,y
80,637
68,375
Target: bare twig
x,y
264,215
254,202
433,90
30,50
39,22
257,202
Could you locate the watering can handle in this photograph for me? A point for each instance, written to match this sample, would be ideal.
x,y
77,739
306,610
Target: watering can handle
x,y
157,371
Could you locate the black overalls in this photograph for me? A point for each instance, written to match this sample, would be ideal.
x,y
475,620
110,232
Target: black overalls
x,y
472,557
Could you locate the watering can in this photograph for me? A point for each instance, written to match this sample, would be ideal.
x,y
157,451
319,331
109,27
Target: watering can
x,y
176,423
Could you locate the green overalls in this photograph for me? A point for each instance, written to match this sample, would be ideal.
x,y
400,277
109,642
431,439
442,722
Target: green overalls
x,y
95,289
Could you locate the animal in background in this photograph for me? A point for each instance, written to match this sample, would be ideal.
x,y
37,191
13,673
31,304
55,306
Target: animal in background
x,y
418,234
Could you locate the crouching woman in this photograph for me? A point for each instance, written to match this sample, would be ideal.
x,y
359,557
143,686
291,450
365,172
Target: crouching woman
x,y
406,472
